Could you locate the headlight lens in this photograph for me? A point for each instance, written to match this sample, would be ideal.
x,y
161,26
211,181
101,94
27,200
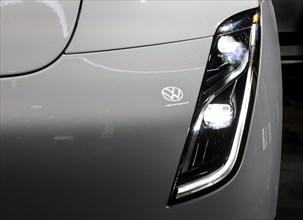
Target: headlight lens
x,y
223,109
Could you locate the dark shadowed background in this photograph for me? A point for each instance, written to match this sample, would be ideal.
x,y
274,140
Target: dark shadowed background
x,y
289,15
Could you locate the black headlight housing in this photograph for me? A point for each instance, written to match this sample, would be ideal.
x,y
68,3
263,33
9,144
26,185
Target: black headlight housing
x,y
217,136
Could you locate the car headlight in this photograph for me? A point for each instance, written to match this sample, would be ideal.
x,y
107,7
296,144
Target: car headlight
x,y
219,127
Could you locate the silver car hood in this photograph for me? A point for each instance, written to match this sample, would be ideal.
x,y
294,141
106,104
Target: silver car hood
x,y
106,25
29,44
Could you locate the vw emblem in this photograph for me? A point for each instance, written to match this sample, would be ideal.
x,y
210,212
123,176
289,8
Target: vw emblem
x,y
172,94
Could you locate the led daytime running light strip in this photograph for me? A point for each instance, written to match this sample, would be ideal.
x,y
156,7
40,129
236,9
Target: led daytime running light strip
x,y
215,177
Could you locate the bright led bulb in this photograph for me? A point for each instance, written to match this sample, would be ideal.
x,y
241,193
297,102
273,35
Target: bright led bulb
x,y
232,50
227,44
217,116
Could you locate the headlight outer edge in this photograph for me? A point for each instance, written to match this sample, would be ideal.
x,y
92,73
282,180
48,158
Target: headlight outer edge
x,y
252,75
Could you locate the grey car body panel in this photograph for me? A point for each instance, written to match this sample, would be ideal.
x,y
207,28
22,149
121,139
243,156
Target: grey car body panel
x,y
97,128
91,137
34,33
105,25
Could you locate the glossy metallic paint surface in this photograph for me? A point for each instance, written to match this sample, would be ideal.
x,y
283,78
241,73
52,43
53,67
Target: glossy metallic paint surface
x,y
91,136
93,131
34,32
108,25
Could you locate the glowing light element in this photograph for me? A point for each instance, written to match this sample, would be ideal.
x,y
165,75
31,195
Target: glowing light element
x,y
256,18
217,116
232,50
227,27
